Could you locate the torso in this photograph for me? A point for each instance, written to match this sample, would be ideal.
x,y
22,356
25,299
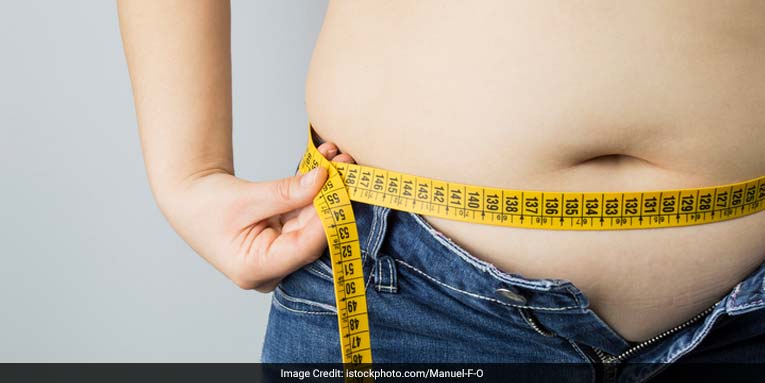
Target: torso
x,y
520,95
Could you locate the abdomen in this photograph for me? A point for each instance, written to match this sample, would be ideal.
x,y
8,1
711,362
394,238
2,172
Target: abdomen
x,y
594,98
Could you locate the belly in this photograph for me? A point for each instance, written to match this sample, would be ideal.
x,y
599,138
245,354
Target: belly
x,y
588,98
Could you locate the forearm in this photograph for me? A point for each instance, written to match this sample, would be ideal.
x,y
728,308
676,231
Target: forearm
x,y
179,58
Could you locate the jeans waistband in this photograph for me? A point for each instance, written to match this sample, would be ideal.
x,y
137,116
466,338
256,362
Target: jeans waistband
x,y
420,245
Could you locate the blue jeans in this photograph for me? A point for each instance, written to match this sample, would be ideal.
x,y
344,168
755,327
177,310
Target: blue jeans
x,y
431,301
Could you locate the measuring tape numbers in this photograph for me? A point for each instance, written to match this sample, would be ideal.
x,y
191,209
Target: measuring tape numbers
x,y
503,207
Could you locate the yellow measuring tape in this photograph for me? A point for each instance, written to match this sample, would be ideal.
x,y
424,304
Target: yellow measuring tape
x,y
493,206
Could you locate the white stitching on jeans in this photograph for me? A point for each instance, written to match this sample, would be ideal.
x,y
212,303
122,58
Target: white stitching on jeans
x,y
484,297
390,275
324,266
479,264
698,340
735,293
286,296
369,277
573,294
318,272
378,231
731,305
375,233
276,300
455,250
677,355
369,235
746,306
379,273
382,231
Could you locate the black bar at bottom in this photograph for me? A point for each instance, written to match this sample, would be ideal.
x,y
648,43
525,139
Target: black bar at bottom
x,y
387,372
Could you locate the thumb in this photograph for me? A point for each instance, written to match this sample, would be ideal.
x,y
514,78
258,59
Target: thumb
x,y
286,194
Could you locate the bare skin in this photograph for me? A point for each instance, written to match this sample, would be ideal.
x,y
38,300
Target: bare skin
x,y
524,95
591,95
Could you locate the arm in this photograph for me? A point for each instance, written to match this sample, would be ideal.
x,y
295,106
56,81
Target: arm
x,y
179,59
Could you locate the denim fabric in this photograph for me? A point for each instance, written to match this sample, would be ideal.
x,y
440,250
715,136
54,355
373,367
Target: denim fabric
x,y
429,300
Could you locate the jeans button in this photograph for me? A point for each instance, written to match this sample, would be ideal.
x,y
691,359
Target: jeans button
x,y
512,295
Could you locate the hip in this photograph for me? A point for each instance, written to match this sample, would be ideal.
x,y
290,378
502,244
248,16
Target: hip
x,y
429,300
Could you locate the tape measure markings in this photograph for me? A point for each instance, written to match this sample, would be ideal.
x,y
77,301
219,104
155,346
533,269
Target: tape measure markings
x,y
335,211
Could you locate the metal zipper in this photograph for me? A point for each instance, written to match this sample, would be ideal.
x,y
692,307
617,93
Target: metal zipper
x,y
610,365
610,362
533,323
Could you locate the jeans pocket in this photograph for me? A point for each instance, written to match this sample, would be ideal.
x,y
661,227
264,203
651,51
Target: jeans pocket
x,y
308,290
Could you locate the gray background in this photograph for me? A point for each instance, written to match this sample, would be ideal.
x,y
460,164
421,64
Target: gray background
x,y
90,270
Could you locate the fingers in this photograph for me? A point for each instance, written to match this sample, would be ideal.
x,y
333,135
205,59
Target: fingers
x,y
325,148
328,150
274,255
297,248
294,235
302,239
284,195
331,152
344,158
270,198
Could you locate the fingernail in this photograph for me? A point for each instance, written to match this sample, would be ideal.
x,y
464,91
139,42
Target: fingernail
x,y
332,152
309,178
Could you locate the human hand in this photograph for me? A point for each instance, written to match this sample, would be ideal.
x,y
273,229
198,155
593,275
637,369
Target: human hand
x,y
255,233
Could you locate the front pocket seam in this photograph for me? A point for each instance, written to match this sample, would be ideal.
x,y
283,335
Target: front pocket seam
x,y
280,304
324,266
313,270
329,308
479,296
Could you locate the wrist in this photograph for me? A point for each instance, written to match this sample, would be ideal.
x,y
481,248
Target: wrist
x,y
170,192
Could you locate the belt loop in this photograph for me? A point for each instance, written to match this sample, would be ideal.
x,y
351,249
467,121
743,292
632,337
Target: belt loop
x,y
377,231
385,274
